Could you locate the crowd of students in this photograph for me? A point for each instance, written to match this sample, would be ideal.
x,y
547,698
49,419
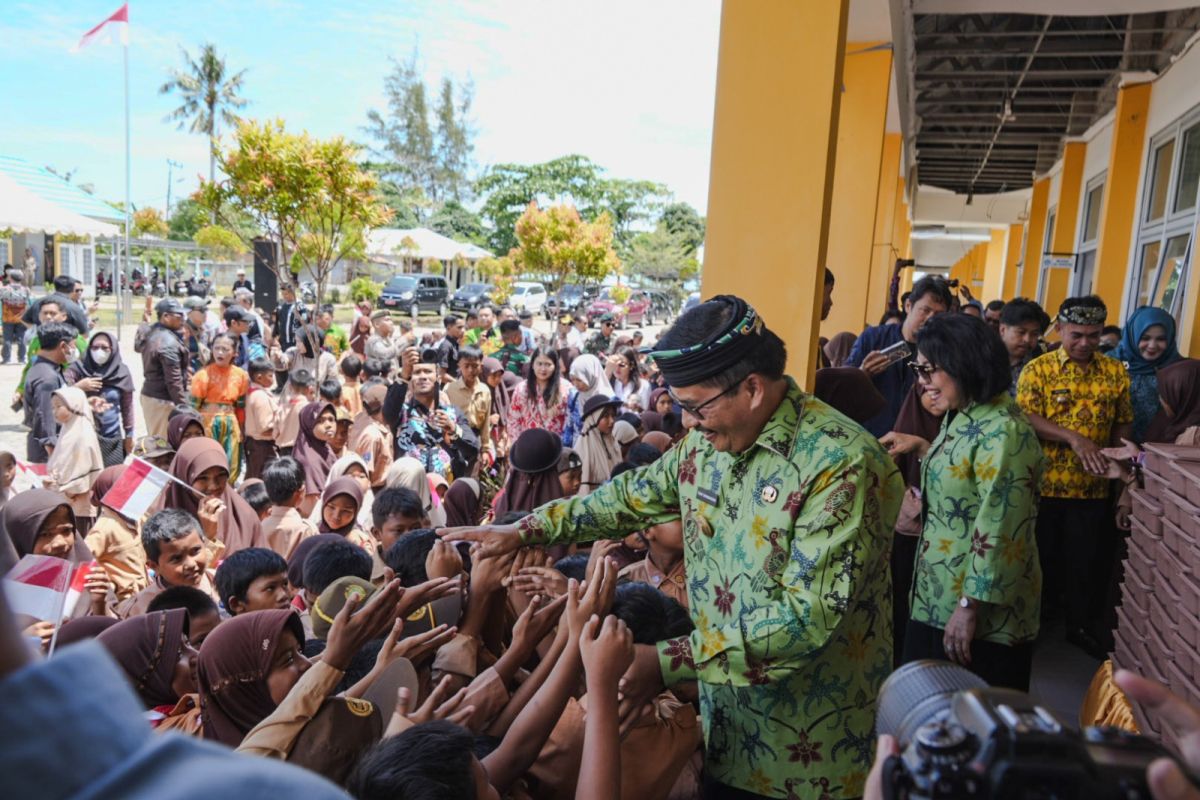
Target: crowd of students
x,y
289,596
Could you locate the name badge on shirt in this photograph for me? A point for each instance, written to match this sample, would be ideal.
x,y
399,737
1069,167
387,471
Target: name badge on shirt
x,y
708,497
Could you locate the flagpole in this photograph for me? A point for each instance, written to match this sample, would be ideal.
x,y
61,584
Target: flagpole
x,y
116,283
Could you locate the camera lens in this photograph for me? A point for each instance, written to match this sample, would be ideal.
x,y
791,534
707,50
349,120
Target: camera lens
x,y
919,692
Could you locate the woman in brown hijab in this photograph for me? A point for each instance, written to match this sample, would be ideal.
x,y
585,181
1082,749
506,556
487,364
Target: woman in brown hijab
x,y
1179,396
851,391
201,463
154,652
318,423
340,504
533,474
837,349
462,503
184,426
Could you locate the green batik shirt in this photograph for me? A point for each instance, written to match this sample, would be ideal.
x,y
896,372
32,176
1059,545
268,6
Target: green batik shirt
x,y
980,483
786,551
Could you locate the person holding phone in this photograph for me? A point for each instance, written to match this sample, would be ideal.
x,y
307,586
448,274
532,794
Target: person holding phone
x,y
885,351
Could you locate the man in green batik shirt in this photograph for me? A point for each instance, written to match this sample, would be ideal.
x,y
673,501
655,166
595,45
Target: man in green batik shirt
x,y
787,511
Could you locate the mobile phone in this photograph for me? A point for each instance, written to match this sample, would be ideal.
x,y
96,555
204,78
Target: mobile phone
x,y
896,352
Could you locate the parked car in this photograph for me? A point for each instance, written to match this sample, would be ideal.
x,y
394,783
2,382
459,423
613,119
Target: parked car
x,y
416,293
570,299
528,296
661,308
631,312
471,296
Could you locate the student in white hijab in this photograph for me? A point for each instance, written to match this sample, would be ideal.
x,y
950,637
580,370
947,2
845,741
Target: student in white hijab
x,y
589,380
408,473
76,460
350,465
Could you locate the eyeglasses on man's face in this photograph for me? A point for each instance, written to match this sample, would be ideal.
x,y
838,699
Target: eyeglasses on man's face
x,y
697,411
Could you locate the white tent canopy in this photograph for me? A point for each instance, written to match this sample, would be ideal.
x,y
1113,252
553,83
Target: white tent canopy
x,y
387,244
22,211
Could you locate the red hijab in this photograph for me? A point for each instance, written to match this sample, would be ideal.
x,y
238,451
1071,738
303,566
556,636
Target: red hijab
x,y
238,526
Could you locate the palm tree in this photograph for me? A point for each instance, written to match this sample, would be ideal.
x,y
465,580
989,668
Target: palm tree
x,y
208,94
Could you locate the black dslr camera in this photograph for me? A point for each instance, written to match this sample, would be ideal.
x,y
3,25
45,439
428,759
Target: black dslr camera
x,y
960,738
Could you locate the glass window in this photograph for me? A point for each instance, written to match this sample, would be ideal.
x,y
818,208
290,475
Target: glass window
x,y
1160,175
1148,269
1189,171
1172,271
1087,270
1091,212
1050,220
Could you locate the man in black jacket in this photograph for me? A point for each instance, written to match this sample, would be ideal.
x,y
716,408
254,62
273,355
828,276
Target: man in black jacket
x,y
44,377
64,287
165,367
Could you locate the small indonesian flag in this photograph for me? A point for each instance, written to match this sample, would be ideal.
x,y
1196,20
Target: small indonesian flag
x,y
136,490
120,18
35,587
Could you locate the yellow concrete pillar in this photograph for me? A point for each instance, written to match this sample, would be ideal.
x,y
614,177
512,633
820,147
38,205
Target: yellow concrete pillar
x,y
1038,206
1063,241
902,238
775,123
884,251
862,121
1012,257
1118,209
994,266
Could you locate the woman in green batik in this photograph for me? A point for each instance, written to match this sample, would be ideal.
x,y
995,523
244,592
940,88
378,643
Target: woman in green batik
x,y
977,584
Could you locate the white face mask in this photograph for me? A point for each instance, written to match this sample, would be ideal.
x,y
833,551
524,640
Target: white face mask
x,y
72,354
101,356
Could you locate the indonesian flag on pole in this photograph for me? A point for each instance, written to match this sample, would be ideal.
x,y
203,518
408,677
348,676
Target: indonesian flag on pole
x,y
35,586
120,18
136,490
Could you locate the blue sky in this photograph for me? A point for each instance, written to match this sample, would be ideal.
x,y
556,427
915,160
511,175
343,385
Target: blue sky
x,y
628,84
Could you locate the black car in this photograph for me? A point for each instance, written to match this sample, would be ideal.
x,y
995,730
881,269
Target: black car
x,y
471,296
416,293
570,299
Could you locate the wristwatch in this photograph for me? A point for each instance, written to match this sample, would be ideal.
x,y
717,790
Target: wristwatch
x,y
966,602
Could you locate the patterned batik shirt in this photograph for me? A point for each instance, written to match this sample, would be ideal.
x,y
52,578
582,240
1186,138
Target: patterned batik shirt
x,y
1089,401
786,553
980,484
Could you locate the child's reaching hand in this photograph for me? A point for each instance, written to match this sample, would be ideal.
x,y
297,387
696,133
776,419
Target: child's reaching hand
x,y
607,651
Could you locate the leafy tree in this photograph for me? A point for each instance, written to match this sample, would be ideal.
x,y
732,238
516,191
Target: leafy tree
x,y
186,220
148,222
208,93
628,203
364,289
308,194
662,256
501,272
559,243
510,188
685,222
435,267
459,223
406,204
432,158
221,242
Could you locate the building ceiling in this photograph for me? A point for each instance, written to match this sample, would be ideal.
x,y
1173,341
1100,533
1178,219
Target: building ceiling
x,y
987,99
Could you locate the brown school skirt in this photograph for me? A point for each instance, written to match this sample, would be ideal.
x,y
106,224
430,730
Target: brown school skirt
x,y
259,453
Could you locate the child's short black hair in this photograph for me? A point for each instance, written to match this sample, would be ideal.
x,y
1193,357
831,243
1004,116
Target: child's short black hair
x,y
396,501
470,353
351,366
650,614
256,495
167,526
374,368
240,569
642,454
283,477
407,556
301,378
430,761
331,390
197,602
621,468
573,566
334,560
258,366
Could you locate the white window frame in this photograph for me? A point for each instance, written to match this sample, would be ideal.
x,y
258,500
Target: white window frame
x,y
1088,246
1047,239
1172,223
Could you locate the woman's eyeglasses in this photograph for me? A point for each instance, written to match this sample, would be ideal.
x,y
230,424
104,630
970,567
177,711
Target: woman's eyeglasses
x,y
924,372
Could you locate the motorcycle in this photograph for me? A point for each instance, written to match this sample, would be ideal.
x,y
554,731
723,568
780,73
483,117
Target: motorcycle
x,y
138,286
308,292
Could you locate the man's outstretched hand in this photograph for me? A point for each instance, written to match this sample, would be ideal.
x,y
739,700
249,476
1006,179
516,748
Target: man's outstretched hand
x,y
494,540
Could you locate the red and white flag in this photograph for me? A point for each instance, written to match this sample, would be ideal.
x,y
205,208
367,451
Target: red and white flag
x,y
136,490
35,587
120,18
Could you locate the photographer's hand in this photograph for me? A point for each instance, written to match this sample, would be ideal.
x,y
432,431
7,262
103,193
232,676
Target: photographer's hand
x,y
1166,779
885,748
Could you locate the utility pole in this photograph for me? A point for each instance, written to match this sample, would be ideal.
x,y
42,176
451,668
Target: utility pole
x,y
171,166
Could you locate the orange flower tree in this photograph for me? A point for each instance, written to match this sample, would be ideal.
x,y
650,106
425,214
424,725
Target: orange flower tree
x,y
558,244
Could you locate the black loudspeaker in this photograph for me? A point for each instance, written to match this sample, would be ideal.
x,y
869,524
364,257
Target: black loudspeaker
x,y
266,284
